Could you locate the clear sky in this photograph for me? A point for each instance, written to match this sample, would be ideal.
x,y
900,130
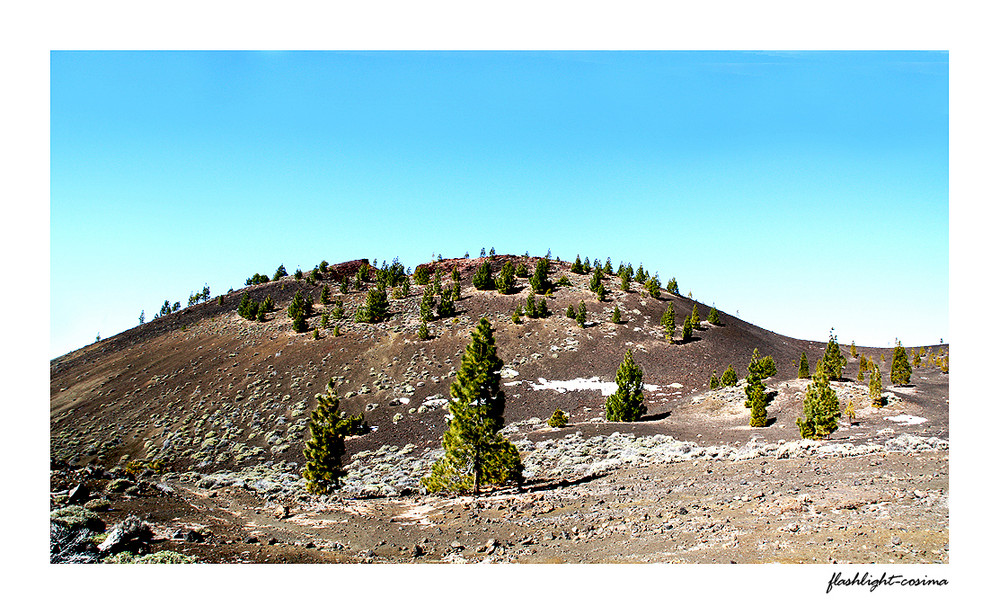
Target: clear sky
x,y
802,190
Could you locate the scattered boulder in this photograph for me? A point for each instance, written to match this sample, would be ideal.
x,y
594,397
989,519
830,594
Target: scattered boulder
x,y
132,535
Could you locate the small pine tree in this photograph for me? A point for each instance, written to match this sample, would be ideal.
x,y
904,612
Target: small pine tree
x,y
447,306
427,304
729,377
280,272
571,312
758,408
616,316
713,382
820,408
653,287
142,317
687,331
601,292
900,371
695,317
505,279
862,368
577,266
540,281
323,452
595,280
672,287
558,418
423,333
476,452
521,270
581,313
483,278
803,365
324,295
422,275
518,313
626,403
875,387
713,317
668,320
854,350
851,415
833,361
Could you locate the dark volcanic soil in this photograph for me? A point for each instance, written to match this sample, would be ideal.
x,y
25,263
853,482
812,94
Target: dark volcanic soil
x,y
206,391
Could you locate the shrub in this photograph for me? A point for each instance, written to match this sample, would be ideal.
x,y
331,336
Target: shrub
x,y
570,312
695,317
713,381
653,287
626,403
668,322
447,306
558,418
729,377
518,313
540,281
324,295
581,313
595,280
423,333
521,270
687,330
713,317
616,316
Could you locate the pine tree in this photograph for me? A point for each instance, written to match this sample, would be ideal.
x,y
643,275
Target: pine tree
x,y
653,287
324,295
142,317
900,371
328,426
862,368
483,278
668,322
626,403
820,408
607,266
601,292
687,331
803,365
505,279
616,316
729,377
875,387
280,272
854,350
577,266
571,312
767,367
518,313
447,306
558,419
851,415
595,280
672,287
713,382
695,317
833,361
756,400
423,333
521,270
427,304
475,451
581,313
422,275
540,281
713,317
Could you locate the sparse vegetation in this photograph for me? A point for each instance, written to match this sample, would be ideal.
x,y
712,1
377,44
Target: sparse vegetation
x,y
820,408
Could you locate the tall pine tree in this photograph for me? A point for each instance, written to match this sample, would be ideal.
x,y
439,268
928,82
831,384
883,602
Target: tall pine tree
x,y
323,452
475,451
820,408
803,366
625,404
900,371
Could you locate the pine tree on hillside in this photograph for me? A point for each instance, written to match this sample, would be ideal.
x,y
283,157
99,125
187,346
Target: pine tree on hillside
x,y
862,368
577,266
616,316
483,278
713,382
875,387
581,313
754,390
505,279
668,322
900,371
540,281
729,377
672,287
328,426
687,331
475,451
595,280
695,317
713,317
626,403
803,365
820,408
607,266
833,361
427,304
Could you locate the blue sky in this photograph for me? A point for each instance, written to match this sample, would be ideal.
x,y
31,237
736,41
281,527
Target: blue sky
x,y
803,190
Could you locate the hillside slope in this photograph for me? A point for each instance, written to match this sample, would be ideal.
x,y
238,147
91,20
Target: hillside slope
x,y
208,390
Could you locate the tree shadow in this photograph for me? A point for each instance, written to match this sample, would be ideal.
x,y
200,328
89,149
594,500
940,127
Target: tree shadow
x,y
653,417
534,485
771,420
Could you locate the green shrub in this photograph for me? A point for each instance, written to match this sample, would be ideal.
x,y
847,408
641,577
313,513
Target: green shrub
x,y
558,418
626,403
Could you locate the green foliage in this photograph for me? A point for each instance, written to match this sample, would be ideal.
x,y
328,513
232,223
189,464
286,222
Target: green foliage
x,y
376,307
280,272
505,279
427,304
483,278
558,418
875,387
695,316
563,281
616,316
328,426
540,280
521,270
758,408
713,382
577,266
854,350
729,377
581,313
475,451
607,266
447,306
324,295
423,333
803,365
571,312
142,316
713,317
640,275
668,320
899,372
754,390
653,287
687,330
820,408
345,285
516,317
833,361
257,278
626,403
851,415
298,274
672,287
595,280
601,292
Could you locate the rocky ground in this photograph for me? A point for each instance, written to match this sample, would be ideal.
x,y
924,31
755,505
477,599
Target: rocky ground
x,y
193,425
